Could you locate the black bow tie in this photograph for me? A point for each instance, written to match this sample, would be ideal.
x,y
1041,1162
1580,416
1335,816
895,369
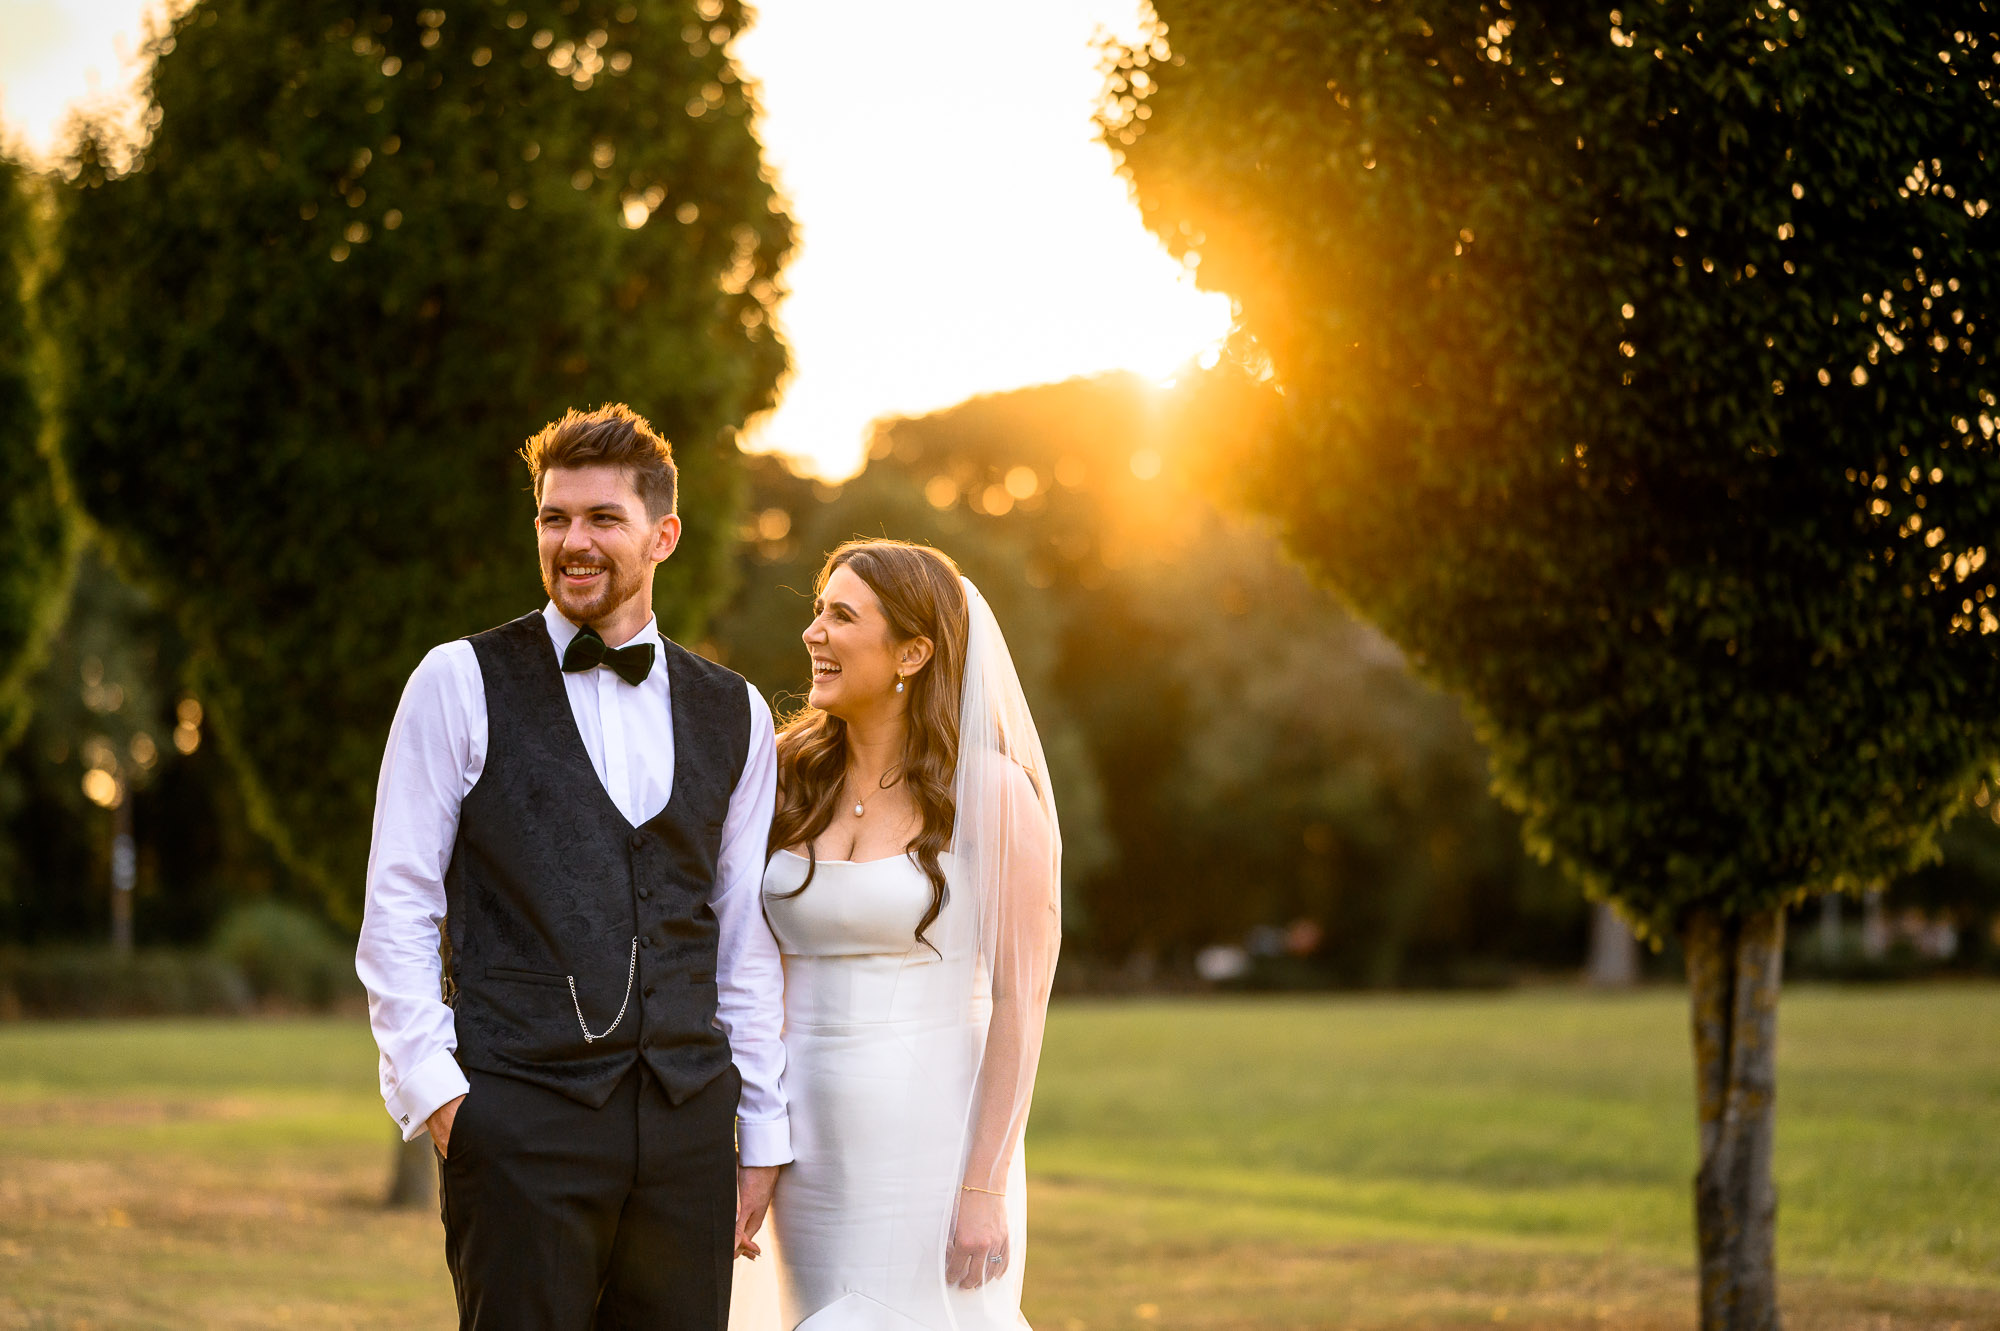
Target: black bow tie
x,y
587,651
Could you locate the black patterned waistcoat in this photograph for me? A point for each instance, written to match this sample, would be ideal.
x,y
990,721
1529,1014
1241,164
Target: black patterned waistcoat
x,y
548,881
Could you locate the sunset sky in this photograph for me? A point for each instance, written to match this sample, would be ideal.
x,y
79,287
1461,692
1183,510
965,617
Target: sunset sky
x,y
962,231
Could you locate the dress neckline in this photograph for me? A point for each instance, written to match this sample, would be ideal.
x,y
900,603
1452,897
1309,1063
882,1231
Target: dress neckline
x,y
904,855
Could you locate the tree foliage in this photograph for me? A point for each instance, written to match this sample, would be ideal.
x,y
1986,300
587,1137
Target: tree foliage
x,y
37,537
1638,379
365,252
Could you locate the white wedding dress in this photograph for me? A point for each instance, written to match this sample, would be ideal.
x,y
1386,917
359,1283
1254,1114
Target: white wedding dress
x,y
883,1037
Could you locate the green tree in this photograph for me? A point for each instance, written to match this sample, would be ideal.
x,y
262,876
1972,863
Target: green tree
x,y
37,538
365,252
1636,380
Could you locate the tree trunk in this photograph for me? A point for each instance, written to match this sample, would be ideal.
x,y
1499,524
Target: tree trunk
x,y
1874,927
413,1181
1831,944
1614,952
1733,967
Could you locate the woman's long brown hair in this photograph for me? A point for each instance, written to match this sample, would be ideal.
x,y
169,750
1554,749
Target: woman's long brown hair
x,y
921,597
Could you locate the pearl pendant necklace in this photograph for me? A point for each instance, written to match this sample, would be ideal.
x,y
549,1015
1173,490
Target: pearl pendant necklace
x,y
861,808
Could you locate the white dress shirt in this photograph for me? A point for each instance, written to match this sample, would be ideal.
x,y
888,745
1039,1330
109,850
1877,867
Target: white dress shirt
x,y
437,749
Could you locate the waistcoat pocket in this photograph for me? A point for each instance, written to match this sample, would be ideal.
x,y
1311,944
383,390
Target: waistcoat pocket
x,y
525,977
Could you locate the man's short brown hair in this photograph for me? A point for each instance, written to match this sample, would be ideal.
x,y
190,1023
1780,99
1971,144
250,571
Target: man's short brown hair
x,y
612,436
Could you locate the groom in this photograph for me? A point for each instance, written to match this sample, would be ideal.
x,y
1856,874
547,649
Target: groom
x,y
583,804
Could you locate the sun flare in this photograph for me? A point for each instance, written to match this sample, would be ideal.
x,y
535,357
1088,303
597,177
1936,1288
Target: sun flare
x,y
963,232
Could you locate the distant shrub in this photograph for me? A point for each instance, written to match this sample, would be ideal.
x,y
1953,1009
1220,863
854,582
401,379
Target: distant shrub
x,y
287,956
97,982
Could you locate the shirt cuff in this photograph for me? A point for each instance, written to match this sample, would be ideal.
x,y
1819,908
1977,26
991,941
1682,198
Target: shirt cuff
x,y
765,1143
430,1084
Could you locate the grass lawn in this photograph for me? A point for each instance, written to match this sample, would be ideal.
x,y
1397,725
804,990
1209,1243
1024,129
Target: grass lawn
x,y
1520,1159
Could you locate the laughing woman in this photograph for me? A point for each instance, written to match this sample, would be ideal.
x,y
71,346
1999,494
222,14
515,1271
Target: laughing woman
x,y
913,890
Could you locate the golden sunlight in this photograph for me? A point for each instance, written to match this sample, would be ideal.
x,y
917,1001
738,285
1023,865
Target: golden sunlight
x,y
962,231
62,56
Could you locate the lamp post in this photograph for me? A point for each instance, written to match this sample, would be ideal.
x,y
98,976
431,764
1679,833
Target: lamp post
x,y
124,873
105,785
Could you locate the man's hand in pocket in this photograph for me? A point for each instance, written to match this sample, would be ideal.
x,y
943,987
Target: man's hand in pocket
x,y
439,1124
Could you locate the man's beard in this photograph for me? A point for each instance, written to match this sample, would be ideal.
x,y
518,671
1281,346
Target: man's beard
x,y
618,584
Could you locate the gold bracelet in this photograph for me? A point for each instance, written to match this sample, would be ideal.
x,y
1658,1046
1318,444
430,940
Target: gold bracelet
x,y
967,1187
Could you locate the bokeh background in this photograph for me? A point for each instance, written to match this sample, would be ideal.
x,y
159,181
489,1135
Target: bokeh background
x,y
1341,1037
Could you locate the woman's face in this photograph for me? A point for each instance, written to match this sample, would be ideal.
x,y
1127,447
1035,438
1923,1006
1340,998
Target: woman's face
x,y
855,654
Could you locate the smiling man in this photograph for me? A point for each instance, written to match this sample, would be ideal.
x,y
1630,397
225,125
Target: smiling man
x,y
583,806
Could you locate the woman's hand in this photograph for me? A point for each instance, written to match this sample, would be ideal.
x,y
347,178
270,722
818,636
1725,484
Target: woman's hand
x,y
755,1185
978,1249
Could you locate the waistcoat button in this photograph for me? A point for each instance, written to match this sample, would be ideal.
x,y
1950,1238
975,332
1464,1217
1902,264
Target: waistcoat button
x,y
645,942
645,892
638,840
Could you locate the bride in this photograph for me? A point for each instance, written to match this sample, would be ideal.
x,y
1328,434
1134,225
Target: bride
x,y
913,890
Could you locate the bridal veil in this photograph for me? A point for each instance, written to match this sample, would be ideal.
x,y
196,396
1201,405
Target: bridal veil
x,y
1007,859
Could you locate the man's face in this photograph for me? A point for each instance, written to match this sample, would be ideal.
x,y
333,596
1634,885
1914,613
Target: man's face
x,y
597,545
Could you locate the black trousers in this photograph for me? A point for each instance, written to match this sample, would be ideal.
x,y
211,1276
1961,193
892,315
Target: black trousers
x,y
559,1217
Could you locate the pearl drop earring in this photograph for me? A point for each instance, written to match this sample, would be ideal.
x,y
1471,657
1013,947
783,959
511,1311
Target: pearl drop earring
x,y
899,681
